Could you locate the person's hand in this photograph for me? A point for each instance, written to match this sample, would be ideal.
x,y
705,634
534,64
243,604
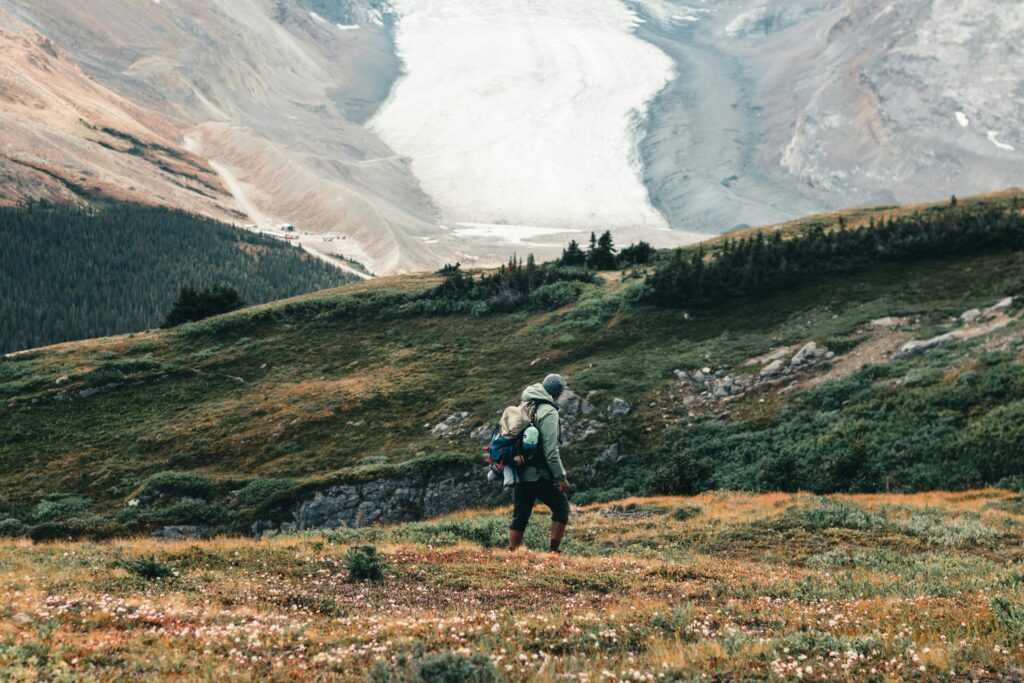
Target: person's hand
x,y
563,486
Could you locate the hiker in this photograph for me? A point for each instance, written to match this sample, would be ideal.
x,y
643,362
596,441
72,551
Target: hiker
x,y
543,476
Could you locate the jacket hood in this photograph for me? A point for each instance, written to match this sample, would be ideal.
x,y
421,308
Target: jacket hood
x,y
537,391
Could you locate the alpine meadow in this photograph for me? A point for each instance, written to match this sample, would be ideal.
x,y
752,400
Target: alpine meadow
x,y
831,399
445,341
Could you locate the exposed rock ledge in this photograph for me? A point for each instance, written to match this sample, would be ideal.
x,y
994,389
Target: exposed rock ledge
x,y
392,500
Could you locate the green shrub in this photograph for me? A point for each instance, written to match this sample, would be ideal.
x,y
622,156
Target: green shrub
x,y
180,484
555,295
364,563
1009,616
104,374
51,531
447,667
684,512
923,377
486,531
58,508
932,526
180,511
265,493
12,528
146,567
843,344
831,515
676,622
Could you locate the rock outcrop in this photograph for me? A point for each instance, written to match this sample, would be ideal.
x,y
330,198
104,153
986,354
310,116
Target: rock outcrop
x,y
392,500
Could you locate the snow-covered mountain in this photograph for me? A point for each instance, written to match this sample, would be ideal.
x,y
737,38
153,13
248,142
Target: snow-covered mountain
x,y
410,132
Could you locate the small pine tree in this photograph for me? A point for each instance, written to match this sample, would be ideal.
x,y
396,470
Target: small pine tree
x,y
572,255
602,253
636,254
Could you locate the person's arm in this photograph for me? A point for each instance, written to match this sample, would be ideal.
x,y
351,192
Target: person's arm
x,y
548,427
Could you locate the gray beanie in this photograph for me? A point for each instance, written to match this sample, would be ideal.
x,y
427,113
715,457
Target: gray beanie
x,y
554,385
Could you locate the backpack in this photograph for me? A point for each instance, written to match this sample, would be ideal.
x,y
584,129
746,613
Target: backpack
x,y
513,442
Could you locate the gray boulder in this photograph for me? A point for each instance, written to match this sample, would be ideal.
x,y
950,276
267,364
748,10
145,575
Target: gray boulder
x,y
917,347
971,317
1002,304
809,353
773,369
618,408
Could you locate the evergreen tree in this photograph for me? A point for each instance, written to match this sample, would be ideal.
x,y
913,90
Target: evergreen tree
x,y
602,252
636,254
573,256
194,305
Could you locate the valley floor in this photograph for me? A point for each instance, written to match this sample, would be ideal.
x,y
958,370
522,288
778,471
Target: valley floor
x,y
723,586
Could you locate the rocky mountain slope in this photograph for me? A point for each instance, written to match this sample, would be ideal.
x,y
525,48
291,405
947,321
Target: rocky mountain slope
x,y
405,134
65,137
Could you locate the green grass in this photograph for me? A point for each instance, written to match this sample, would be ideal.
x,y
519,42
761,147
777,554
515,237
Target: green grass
x,y
339,385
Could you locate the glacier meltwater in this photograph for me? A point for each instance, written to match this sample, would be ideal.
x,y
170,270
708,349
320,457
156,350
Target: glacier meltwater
x,y
525,111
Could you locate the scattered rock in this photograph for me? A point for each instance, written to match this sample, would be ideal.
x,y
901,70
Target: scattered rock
x,y
1002,304
482,434
917,347
703,375
618,408
611,455
970,317
451,425
809,353
773,369
680,375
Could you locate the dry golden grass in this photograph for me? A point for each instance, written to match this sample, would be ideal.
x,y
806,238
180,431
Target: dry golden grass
x,y
744,589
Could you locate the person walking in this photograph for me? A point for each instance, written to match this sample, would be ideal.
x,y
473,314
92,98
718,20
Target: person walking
x,y
543,477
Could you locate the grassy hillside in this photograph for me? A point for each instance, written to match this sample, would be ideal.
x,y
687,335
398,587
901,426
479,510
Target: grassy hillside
x,y
71,273
719,587
350,384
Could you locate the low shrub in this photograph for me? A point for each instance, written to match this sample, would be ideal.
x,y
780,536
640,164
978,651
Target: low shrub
x,y
364,563
932,526
676,622
265,493
55,509
51,531
486,531
684,512
555,295
448,667
146,567
1010,617
923,377
831,515
12,528
180,485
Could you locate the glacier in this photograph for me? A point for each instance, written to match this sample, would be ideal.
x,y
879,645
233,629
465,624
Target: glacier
x,y
525,112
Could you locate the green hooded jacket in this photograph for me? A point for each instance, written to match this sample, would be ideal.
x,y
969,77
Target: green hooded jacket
x,y
546,422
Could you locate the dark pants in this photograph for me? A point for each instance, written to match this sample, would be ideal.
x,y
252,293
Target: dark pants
x,y
525,496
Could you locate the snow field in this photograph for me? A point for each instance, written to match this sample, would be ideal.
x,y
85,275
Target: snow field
x,y
525,111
